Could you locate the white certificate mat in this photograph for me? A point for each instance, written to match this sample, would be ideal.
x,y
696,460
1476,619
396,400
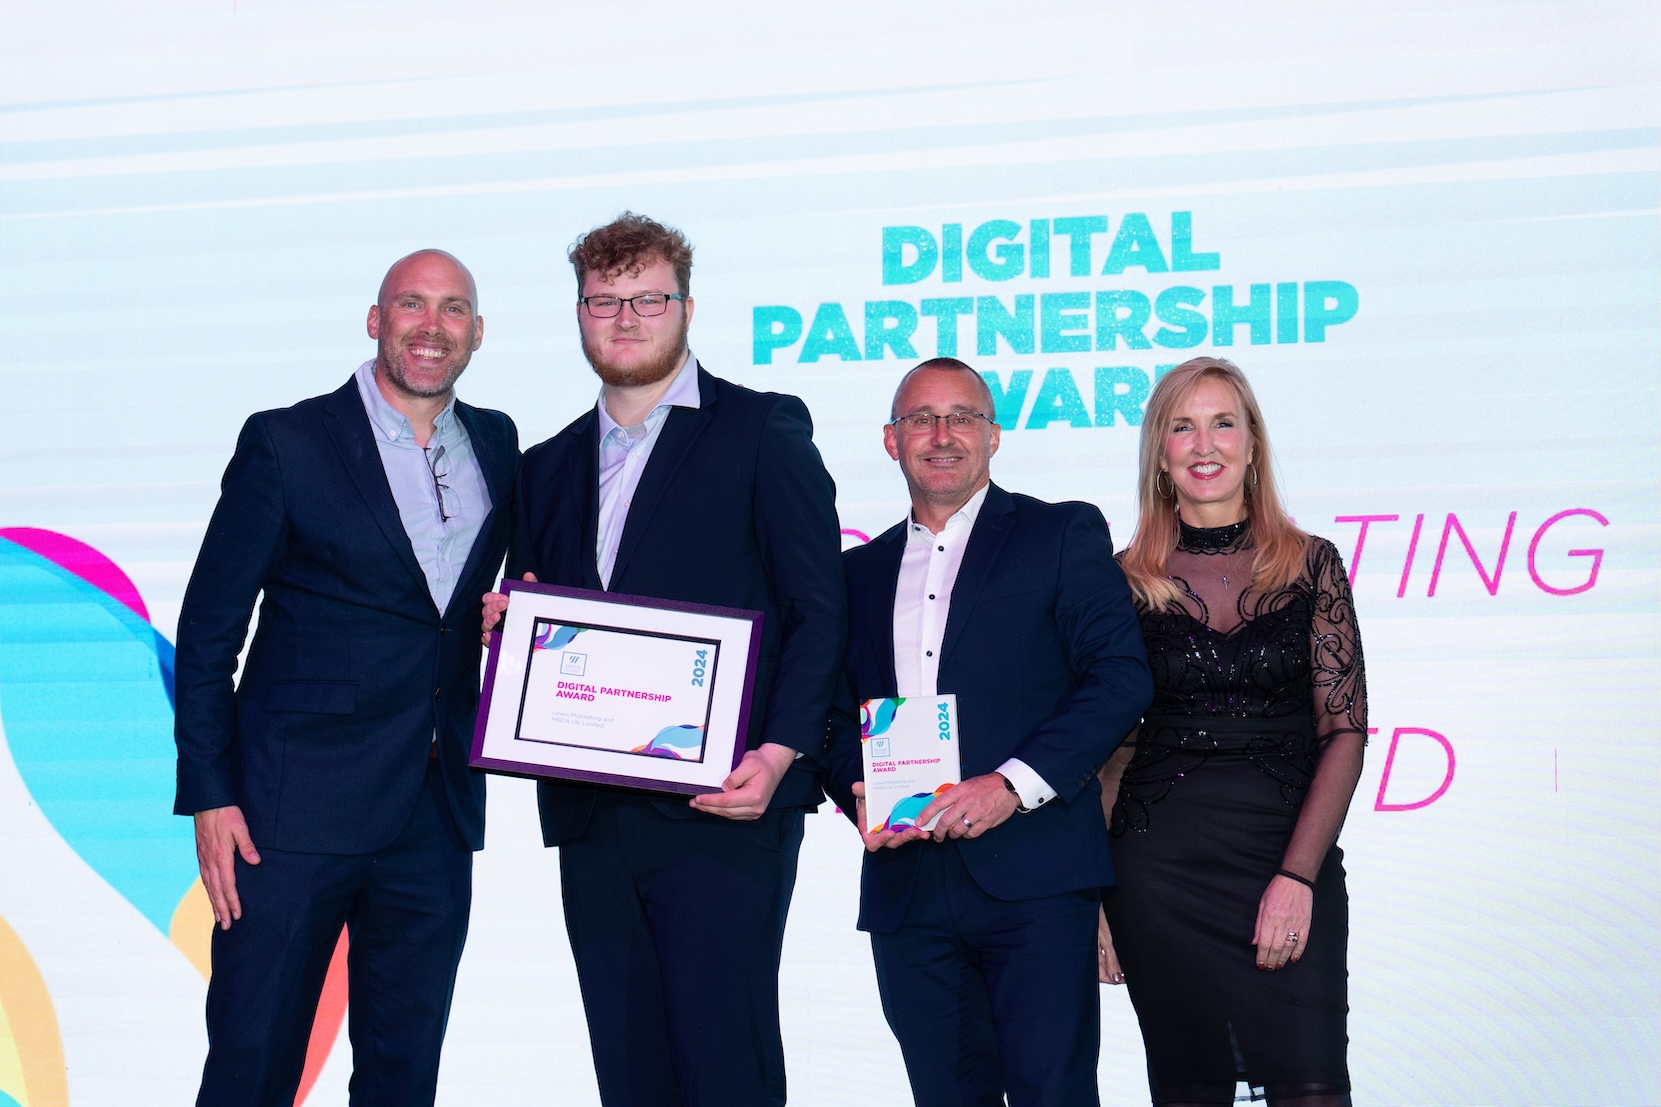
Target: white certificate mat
x,y
909,749
613,689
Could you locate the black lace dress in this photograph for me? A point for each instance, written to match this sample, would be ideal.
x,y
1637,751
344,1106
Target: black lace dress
x,y
1244,764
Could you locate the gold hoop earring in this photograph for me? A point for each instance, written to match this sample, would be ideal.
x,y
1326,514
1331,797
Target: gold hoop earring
x,y
1171,484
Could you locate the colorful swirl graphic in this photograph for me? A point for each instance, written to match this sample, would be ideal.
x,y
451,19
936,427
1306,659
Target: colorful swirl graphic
x,y
683,743
31,1051
554,636
876,716
87,689
906,811
86,699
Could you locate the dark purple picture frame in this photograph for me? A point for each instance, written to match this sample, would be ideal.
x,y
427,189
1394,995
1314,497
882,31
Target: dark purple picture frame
x,y
553,772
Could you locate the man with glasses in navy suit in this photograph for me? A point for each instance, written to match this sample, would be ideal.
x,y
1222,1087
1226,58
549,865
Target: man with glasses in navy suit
x,y
680,485
330,784
984,929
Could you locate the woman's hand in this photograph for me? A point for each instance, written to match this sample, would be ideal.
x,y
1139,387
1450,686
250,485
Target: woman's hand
x,y
1282,923
1107,962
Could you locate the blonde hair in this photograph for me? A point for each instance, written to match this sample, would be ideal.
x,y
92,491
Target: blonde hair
x,y
1279,544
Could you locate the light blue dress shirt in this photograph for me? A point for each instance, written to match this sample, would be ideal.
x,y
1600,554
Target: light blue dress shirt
x,y
624,452
418,477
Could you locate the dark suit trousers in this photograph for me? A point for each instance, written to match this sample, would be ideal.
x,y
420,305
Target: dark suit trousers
x,y
677,926
988,995
406,908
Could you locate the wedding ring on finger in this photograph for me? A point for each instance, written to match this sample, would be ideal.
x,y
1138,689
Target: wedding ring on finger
x,y
967,825
1292,936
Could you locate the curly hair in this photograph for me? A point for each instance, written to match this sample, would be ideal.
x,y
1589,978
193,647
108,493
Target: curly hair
x,y
628,244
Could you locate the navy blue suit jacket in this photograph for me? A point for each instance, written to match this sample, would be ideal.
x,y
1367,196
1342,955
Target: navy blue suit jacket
x,y
1043,650
353,669
734,509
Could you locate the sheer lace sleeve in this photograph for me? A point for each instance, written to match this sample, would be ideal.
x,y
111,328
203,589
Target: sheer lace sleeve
x,y
1340,693
1338,676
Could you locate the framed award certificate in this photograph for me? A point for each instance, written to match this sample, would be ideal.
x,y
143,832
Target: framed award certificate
x,y
610,689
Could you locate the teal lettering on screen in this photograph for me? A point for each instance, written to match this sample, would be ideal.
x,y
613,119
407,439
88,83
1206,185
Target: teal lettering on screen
x,y
1135,245
1008,402
1039,240
1003,249
1080,232
1184,327
994,254
951,252
1286,312
1058,401
946,313
1327,304
1183,257
889,325
1121,390
1112,285
908,254
1064,322
1118,396
1226,314
830,334
774,327
994,321
1122,314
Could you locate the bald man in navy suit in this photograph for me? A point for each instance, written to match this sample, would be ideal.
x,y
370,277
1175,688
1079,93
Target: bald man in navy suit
x,y
330,785
984,930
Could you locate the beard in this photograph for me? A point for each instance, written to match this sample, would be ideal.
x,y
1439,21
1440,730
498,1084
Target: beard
x,y
643,373
391,362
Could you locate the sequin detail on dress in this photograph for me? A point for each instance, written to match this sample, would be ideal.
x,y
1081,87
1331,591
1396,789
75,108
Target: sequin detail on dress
x,y
1281,671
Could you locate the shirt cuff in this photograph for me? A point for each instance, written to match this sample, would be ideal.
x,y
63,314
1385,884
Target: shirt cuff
x,y
1028,784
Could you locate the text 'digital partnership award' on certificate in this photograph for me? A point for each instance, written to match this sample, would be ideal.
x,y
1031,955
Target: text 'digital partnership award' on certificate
x,y
621,690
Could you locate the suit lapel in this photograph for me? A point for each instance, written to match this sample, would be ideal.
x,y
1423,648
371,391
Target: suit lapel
x,y
496,463
585,463
681,429
887,551
349,428
985,540
493,454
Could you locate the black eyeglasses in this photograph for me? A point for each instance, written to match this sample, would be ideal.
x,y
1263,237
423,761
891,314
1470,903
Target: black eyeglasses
x,y
435,458
645,305
924,423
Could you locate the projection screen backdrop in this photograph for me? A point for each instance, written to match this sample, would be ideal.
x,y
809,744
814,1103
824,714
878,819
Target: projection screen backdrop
x,y
1427,231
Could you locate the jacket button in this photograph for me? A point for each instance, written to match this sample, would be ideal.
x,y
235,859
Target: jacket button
x,y
438,693
443,628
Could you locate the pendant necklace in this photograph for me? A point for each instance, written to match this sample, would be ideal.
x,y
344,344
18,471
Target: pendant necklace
x,y
1214,544
1220,576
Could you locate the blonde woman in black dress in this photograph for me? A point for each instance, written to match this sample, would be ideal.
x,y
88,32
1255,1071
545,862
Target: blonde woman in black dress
x,y
1230,921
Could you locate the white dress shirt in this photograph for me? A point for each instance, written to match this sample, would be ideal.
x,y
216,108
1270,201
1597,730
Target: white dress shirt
x,y
624,452
922,601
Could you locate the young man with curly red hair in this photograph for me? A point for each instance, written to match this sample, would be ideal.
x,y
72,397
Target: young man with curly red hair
x,y
683,486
